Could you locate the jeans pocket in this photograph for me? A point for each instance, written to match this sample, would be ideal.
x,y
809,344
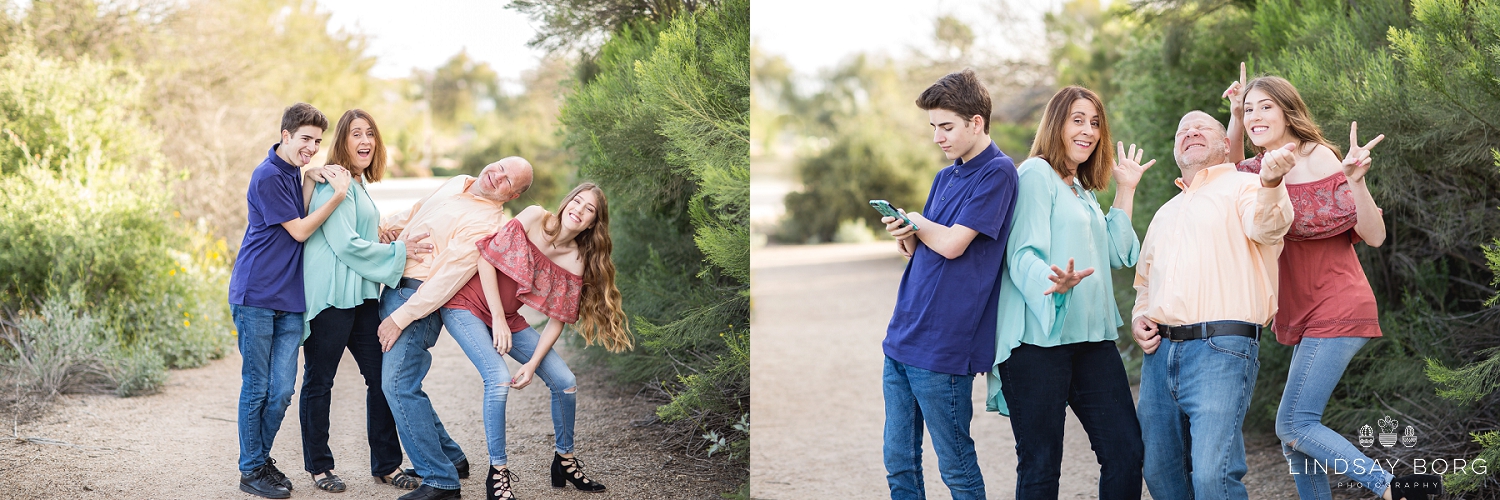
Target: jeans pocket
x,y
1234,345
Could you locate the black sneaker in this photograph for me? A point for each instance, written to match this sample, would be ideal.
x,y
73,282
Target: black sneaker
x,y
275,474
429,493
257,482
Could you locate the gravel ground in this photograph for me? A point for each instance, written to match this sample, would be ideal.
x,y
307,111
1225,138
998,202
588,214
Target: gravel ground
x,y
819,315
181,443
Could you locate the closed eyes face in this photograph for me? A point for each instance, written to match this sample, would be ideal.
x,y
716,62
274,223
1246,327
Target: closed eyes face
x,y
1264,120
1081,131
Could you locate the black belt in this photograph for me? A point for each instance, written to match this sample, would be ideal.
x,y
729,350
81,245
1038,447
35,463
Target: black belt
x,y
1198,331
411,283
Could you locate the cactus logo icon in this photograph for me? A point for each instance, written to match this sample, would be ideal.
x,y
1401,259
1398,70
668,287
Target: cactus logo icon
x,y
1409,438
1388,431
1366,436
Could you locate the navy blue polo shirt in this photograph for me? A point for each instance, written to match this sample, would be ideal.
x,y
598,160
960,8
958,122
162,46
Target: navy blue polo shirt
x,y
268,271
945,310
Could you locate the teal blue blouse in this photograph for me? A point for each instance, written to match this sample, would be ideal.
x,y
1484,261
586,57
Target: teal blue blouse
x,y
343,262
1053,224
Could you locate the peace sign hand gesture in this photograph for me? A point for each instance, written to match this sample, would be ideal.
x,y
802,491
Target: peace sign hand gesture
x,y
1236,95
1062,281
1357,162
1128,167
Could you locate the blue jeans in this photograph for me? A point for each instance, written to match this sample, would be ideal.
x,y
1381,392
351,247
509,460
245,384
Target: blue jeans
x,y
1039,382
431,450
943,402
1206,382
477,341
1312,449
268,375
333,331
560,381
474,337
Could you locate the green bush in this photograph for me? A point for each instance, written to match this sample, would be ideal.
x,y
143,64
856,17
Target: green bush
x,y
84,215
660,119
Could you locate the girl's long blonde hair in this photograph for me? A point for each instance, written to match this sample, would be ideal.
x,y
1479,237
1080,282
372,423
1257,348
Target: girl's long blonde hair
x,y
600,317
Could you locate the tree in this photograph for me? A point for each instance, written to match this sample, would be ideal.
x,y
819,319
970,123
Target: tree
x,y
663,127
584,24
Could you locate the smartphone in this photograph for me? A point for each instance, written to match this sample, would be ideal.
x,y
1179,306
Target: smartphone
x,y
884,207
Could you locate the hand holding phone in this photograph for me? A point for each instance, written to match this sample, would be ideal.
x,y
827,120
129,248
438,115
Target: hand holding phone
x,y
884,207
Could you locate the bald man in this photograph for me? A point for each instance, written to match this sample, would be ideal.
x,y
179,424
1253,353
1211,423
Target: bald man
x,y
456,216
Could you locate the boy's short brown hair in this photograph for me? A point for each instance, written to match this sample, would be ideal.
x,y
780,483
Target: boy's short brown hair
x,y
301,114
960,93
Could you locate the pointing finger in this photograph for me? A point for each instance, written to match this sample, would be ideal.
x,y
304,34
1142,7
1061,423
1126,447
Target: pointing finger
x,y
1242,72
1373,142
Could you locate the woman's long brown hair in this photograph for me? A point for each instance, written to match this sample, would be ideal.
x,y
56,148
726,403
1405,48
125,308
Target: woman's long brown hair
x,y
600,317
1299,121
1050,144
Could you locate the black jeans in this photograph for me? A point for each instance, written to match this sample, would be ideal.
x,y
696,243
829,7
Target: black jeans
x,y
1038,382
332,331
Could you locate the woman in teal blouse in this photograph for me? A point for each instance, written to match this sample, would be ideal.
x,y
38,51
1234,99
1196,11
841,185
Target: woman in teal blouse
x,y
1057,315
343,265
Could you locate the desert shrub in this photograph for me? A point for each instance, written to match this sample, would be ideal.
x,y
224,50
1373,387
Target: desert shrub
x,y
105,285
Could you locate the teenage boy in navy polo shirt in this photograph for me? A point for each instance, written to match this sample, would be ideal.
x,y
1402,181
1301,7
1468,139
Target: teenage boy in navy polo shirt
x,y
943,330
265,292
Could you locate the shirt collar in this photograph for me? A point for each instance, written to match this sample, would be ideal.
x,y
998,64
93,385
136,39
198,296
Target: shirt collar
x,y
465,192
964,168
280,163
1207,175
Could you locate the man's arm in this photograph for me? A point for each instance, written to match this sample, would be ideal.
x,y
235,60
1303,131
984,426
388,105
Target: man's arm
x,y
949,242
450,272
1266,214
302,228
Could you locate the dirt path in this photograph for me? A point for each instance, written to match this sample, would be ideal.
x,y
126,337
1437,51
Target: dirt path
x,y
820,313
181,443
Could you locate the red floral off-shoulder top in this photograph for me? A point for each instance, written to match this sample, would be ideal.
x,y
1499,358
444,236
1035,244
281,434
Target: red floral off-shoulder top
x,y
1323,291
526,276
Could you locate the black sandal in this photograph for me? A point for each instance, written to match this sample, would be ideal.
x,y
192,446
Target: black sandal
x,y
401,479
330,482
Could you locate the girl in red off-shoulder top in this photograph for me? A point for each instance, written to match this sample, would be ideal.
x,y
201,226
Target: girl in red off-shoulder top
x,y
556,263
1326,308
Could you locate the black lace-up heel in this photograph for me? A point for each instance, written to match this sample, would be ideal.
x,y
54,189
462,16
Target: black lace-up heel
x,y
570,470
497,485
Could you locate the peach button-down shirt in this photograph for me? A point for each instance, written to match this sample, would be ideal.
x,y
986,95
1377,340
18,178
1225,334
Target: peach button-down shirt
x,y
456,220
1210,252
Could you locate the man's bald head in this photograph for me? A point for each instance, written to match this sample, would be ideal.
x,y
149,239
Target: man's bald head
x,y
503,180
1200,142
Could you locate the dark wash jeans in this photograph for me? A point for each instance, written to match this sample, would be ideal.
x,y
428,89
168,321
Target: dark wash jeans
x,y
334,330
1038,382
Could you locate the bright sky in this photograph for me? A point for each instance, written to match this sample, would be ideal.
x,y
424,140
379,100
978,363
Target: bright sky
x,y
406,35
815,35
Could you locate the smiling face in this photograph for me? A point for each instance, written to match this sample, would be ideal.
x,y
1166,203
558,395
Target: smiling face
x,y
1265,120
1200,142
581,211
360,143
503,180
298,147
959,137
1081,132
